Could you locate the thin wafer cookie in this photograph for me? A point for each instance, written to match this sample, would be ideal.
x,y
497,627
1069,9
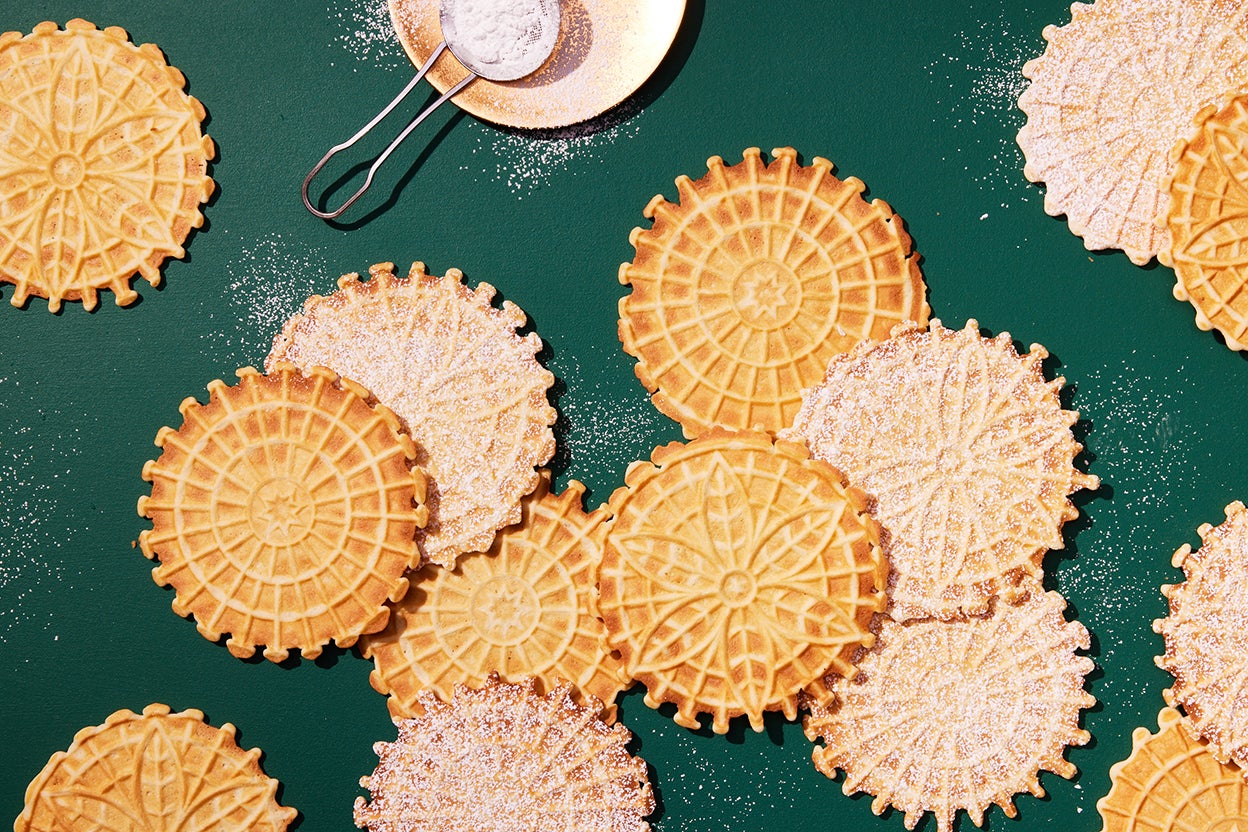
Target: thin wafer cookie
x,y
965,451
1171,783
284,512
1206,636
958,715
737,571
467,386
1207,220
103,165
155,770
502,758
524,608
744,289
1115,89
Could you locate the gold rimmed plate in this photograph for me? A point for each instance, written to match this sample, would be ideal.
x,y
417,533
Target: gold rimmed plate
x,y
606,50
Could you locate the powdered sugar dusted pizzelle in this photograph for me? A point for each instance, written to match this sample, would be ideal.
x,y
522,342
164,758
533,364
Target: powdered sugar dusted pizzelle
x,y
737,571
1172,783
1206,636
451,365
958,715
761,272
155,770
1115,89
284,512
501,758
524,608
1207,220
965,452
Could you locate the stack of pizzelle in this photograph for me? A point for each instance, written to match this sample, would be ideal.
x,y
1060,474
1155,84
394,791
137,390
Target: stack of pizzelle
x,y
296,508
1136,125
781,320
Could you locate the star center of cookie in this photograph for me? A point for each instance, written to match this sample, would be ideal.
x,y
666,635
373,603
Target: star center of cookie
x,y
66,170
766,294
738,588
505,610
281,512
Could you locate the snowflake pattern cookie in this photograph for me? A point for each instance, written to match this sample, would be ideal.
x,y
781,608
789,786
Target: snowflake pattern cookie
x,y
737,571
103,165
958,715
155,770
965,451
466,385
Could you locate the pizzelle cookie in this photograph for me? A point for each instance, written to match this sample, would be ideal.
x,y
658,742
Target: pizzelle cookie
x,y
957,715
157,770
467,387
524,608
284,512
737,571
1115,89
965,452
1207,220
744,289
501,757
1206,641
1171,783
103,165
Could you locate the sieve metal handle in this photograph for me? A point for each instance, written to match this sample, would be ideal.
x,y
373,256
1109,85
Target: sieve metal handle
x,y
364,131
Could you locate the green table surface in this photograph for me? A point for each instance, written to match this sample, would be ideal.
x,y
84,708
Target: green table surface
x,y
917,99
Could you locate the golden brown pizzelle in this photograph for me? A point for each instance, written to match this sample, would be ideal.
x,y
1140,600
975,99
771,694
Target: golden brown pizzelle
x,y
744,288
737,571
965,451
103,163
284,512
155,770
958,715
525,608
500,757
467,386
1207,219
1172,783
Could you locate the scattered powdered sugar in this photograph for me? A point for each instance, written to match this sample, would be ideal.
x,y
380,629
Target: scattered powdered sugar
x,y
711,776
367,33
977,85
269,280
1148,459
525,161
602,429
37,510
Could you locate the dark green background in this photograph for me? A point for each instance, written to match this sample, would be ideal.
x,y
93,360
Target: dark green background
x,y
915,98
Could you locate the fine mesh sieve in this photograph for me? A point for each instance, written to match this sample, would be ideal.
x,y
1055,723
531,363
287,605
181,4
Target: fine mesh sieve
x,y
498,40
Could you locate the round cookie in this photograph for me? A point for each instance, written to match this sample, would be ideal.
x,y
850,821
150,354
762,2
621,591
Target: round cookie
x,y
737,571
965,452
103,164
500,757
525,608
1171,783
284,512
1115,89
958,715
155,770
1206,642
1207,220
743,289
468,388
